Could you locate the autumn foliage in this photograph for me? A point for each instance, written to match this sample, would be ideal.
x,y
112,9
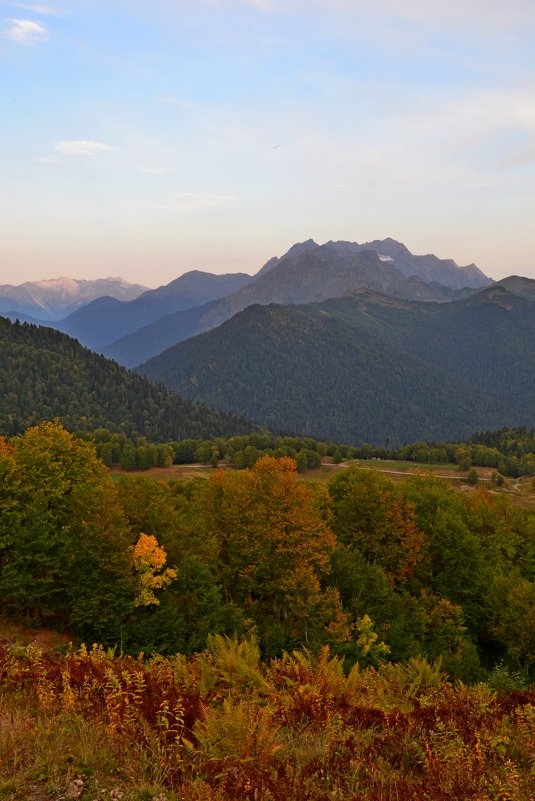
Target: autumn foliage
x,y
376,571
148,559
341,642
273,550
222,725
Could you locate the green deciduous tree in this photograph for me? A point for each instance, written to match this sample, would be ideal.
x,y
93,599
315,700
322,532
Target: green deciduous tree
x,y
64,539
371,516
510,609
454,564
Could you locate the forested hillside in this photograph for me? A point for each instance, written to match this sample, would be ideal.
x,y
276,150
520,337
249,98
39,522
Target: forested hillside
x,y
366,367
45,374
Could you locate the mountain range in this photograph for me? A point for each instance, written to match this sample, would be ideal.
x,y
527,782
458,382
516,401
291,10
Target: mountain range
x,y
53,299
308,273
131,331
342,341
106,319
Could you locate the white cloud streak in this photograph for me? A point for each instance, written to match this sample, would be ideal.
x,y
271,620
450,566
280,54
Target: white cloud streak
x,y
37,9
81,147
26,32
262,4
152,170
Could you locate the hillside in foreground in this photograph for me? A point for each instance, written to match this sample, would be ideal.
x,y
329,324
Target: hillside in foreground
x,y
222,726
359,640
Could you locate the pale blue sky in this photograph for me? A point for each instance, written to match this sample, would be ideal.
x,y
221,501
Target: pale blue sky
x,y
144,139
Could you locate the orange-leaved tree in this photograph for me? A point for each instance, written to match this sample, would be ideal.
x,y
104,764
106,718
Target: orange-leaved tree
x,y
274,548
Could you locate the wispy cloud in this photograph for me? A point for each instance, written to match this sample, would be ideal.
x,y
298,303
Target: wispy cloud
x,y
521,157
481,13
263,4
26,32
81,147
193,201
37,9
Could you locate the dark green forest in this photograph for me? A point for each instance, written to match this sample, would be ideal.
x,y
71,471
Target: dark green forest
x,y
366,368
45,374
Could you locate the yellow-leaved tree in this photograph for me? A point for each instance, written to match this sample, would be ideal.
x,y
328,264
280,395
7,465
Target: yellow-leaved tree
x,y
148,559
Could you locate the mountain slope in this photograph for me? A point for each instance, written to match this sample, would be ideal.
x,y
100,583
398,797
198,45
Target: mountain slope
x,y
54,298
314,274
518,285
45,374
101,323
367,367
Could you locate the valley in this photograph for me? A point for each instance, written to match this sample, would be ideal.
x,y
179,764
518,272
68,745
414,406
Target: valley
x,y
519,492
345,341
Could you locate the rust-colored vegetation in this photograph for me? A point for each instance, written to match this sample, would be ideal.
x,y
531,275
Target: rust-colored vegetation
x,y
222,725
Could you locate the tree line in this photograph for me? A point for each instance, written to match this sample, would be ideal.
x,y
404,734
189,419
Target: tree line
x,y
510,452
240,451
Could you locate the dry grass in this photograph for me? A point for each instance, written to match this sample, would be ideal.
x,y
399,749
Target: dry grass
x,y
180,472
45,639
57,756
519,491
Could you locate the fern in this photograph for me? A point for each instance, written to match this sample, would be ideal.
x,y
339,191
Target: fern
x,y
241,731
418,675
238,662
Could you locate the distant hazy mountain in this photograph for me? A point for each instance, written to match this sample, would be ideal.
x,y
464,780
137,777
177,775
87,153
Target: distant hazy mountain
x,y
25,318
55,298
308,273
46,374
366,367
104,321
428,267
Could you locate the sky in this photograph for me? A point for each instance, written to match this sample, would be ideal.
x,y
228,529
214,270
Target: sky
x,y
145,139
